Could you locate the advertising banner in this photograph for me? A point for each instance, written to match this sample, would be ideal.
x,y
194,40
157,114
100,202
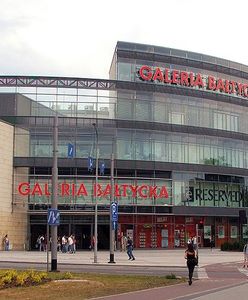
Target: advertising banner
x,y
234,232
221,232
245,231
207,232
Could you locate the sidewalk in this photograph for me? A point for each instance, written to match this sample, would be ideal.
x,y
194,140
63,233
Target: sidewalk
x,y
161,258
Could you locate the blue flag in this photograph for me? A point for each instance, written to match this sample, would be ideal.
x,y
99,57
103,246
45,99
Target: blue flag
x,y
90,164
70,152
102,168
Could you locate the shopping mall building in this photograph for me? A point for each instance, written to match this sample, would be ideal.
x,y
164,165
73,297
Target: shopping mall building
x,y
175,124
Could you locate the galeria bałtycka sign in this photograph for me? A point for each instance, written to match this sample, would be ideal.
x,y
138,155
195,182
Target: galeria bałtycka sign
x,y
190,79
99,190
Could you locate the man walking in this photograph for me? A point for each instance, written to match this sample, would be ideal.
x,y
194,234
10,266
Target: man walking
x,y
130,249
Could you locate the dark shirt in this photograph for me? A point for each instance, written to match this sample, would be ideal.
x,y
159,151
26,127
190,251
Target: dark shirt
x,y
190,255
129,243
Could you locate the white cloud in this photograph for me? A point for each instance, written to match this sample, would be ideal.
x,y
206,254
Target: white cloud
x,y
77,38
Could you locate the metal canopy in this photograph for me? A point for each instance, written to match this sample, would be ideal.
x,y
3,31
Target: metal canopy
x,y
56,82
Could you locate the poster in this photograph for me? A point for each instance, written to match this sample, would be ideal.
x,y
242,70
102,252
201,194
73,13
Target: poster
x,y
245,231
234,232
221,232
129,233
207,232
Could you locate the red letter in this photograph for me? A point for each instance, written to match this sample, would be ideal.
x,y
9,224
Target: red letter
x,y
107,190
227,90
73,193
148,74
184,78
220,85
245,90
47,193
97,190
37,190
125,190
82,190
117,191
233,83
198,81
240,86
166,76
211,83
65,189
175,75
152,191
163,193
141,193
158,75
134,190
24,188
191,78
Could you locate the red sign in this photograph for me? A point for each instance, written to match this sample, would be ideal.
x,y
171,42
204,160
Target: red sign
x,y
191,79
72,189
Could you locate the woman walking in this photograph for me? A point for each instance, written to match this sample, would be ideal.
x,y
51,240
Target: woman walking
x,y
191,256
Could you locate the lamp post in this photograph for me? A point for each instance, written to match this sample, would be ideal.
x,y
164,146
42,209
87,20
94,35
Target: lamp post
x,y
111,229
54,229
96,191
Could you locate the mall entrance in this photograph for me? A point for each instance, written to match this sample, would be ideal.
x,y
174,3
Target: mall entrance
x,y
82,232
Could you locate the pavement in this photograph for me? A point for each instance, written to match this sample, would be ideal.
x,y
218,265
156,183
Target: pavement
x,y
220,275
163,257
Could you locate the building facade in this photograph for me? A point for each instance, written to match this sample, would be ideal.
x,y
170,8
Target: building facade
x,y
173,122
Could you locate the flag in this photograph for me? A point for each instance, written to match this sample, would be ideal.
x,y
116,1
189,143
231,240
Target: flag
x,y
90,164
70,152
102,168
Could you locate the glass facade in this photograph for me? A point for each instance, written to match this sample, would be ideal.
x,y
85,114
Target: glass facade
x,y
191,143
134,144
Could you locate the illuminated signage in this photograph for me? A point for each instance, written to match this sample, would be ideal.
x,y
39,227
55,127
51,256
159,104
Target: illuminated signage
x,y
190,79
72,189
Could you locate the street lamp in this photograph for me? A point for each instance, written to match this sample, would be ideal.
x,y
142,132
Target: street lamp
x,y
96,191
54,229
111,229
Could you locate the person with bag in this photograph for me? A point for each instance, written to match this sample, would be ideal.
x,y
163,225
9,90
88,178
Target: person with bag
x,y
191,256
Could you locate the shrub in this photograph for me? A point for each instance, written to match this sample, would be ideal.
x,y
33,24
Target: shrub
x,y
11,278
224,246
235,246
21,279
67,275
171,276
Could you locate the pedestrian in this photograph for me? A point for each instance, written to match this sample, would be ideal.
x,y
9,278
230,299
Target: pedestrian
x,y
70,244
41,242
194,242
130,249
211,243
58,244
6,243
64,242
74,244
92,243
191,256
38,243
245,250
123,243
